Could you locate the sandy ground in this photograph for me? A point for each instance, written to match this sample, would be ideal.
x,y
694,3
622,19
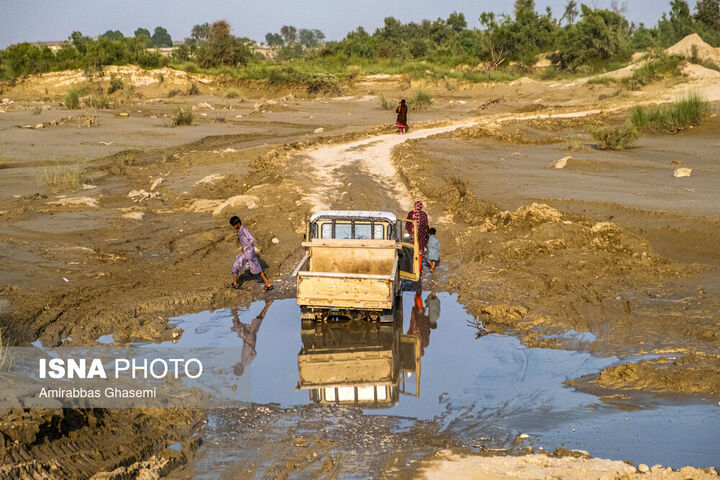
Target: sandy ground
x,y
611,244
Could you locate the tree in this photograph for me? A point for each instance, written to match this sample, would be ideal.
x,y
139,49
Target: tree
x,y
161,38
223,48
311,38
599,34
708,13
273,39
113,35
570,13
200,32
289,33
144,34
457,22
80,42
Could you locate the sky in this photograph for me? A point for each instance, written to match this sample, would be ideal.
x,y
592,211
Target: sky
x,y
51,20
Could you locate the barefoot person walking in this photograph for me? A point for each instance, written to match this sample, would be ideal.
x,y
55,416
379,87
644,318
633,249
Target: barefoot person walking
x,y
247,259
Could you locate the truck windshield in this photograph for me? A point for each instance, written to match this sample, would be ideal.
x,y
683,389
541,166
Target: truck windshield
x,y
354,229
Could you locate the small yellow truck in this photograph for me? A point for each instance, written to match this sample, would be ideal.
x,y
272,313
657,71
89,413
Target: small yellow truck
x,y
358,363
354,263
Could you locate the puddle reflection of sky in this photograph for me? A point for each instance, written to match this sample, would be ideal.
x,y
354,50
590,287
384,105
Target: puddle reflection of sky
x,y
475,386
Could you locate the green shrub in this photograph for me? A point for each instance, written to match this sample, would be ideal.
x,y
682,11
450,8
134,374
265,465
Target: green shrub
x,y
422,100
671,118
231,93
193,90
182,116
615,138
37,110
174,92
115,85
72,99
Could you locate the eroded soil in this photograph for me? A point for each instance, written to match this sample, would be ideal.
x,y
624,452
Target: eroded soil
x,y
611,244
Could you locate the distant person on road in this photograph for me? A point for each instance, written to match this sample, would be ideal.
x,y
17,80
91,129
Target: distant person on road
x,y
247,259
433,249
421,219
248,333
401,122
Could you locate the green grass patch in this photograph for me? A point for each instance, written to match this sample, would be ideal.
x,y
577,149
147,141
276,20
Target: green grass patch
x,y
655,69
231,93
61,178
673,117
615,138
37,110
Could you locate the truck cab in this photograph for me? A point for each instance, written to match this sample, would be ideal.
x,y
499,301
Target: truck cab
x,y
354,263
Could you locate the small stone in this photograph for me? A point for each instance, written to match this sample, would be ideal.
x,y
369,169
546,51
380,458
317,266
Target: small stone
x,y
682,172
523,436
319,130
642,468
123,114
39,125
156,183
275,240
562,163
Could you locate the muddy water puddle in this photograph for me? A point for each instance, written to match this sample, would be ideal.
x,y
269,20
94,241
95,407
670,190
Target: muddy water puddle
x,y
431,365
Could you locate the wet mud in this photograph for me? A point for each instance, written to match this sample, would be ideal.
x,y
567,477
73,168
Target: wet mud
x,y
603,261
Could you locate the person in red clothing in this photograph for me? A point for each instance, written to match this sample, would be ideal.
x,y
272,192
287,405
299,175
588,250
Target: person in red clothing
x,y
401,122
421,219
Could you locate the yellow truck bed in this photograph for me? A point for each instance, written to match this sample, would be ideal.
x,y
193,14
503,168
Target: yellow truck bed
x,y
347,274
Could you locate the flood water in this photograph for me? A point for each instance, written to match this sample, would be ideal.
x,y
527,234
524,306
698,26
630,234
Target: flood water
x,y
483,390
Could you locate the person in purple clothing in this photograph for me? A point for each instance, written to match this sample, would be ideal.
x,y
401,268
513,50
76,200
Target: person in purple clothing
x,y
248,333
247,259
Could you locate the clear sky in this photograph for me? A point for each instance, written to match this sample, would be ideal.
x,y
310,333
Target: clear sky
x,y
49,20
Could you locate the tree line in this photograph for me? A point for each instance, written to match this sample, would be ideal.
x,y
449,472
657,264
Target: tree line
x,y
578,37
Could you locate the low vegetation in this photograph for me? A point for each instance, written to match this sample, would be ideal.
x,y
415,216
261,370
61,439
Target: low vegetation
x,y
655,69
584,40
115,85
673,117
182,116
37,110
421,101
615,138
384,104
193,89
231,93
72,99
120,161
63,178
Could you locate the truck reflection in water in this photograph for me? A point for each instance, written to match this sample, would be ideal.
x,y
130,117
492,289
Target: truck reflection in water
x,y
358,362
